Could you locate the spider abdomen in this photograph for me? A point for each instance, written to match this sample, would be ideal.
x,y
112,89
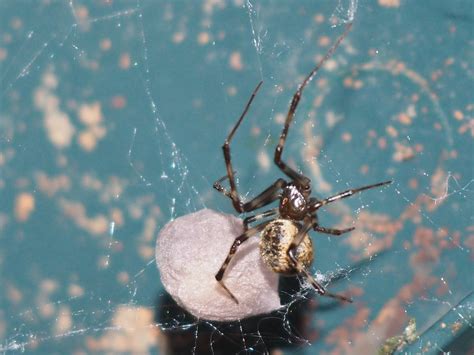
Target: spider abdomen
x,y
275,242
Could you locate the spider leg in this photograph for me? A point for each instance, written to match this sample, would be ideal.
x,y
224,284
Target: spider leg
x,y
332,231
218,186
266,197
309,222
321,290
233,249
234,195
297,177
348,193
258,216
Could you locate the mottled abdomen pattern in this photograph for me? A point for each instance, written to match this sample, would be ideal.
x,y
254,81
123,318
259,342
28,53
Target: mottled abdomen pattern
x,y
275,241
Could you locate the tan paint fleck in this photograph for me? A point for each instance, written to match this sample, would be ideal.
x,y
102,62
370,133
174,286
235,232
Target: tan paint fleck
x,y
203,38
105,44
235,61
125,61
178,37
133,330
57,123
24,206
63,321
389,3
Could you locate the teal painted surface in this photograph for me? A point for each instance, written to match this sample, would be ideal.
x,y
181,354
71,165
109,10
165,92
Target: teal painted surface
x,y
112,115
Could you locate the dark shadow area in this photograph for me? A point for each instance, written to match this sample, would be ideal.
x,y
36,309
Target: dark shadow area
x,y
288,328
462,344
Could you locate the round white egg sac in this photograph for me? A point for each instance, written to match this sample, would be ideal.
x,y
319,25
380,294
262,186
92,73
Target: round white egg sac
x,y
189,252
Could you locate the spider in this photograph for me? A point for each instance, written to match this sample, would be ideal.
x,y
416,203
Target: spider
x,y
284,245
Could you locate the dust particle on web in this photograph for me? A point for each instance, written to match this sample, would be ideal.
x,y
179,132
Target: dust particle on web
x,y
235,61
389,3
24,206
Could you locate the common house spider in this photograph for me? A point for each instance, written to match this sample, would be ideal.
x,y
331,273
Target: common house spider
x,y
284,245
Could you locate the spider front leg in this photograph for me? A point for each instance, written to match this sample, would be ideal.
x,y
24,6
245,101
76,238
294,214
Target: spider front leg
x,y
294,175
233,249
218,186
315,204
318,228
234,195
297,177
270,194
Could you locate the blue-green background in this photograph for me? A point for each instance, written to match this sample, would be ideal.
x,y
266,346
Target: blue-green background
x,y
178,111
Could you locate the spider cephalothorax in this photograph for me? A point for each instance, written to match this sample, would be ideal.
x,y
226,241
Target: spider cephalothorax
x,y
285,245
293,202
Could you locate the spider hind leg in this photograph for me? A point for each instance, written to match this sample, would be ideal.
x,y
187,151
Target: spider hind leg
x,y
316,285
